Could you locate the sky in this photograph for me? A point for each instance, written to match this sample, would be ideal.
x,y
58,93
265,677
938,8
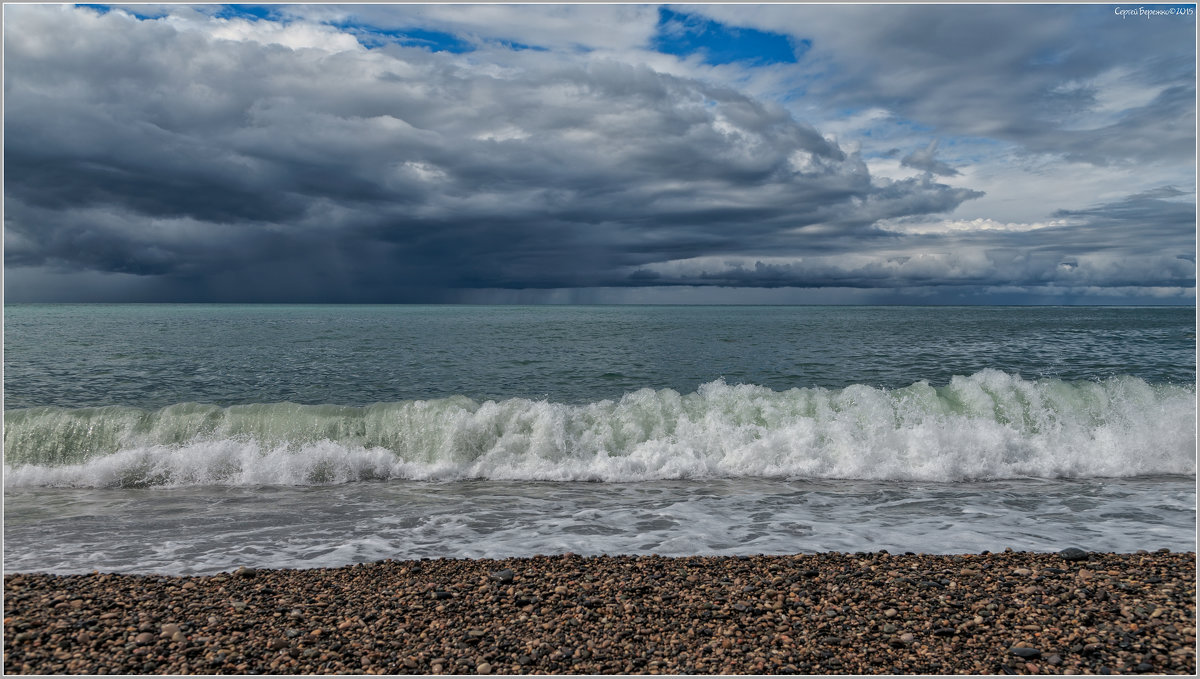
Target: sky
x,y
600,153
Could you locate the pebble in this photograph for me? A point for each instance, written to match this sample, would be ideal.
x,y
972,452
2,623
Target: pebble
x,y
1025,652
806,614
1073,554
504,576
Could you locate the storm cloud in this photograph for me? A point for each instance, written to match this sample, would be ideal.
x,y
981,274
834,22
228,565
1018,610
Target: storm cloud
x,y
305,157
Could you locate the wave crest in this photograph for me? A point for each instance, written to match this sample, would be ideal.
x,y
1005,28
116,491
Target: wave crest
x,y
989,425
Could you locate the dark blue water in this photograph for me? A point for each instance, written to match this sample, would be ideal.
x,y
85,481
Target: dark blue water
x,y
151,356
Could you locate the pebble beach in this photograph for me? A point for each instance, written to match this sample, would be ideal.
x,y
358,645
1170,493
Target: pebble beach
x,y
834,613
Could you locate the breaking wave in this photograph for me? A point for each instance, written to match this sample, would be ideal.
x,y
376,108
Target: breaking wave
x,y
990,425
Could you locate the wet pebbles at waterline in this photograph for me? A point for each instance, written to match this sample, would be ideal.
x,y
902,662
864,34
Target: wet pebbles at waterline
x,y
1016,612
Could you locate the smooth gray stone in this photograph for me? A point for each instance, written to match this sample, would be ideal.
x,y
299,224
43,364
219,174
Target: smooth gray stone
x,y
1073,554
1025,652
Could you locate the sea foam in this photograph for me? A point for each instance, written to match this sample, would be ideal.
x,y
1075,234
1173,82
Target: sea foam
x,y
989,425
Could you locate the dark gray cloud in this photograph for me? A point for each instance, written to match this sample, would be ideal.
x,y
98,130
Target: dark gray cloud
x,y
144,149
191,158
1141,241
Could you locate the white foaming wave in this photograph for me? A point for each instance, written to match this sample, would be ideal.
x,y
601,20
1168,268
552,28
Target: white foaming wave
x,y
990,425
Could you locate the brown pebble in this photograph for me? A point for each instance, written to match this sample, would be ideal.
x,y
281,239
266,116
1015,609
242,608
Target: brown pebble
x,y
484,668
633,615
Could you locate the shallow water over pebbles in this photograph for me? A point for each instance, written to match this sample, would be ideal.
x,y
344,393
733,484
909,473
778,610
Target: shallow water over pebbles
x,y
209,529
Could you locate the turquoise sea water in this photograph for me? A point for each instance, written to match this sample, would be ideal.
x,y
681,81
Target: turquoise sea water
x,y
189,438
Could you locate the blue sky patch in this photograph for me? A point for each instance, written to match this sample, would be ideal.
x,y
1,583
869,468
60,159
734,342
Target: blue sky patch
x,y
685,34
249,12
132,10
434,41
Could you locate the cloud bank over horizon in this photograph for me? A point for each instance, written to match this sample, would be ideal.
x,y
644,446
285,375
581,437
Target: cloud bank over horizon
x,y
599,153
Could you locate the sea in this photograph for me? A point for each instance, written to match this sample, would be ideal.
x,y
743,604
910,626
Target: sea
x,y
194,439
